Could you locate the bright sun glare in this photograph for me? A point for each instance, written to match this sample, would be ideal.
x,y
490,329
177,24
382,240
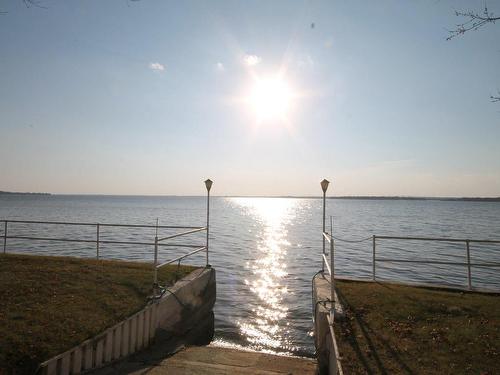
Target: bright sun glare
x,y
270,98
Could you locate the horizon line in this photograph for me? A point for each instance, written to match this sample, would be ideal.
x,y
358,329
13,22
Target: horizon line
x,y
381,197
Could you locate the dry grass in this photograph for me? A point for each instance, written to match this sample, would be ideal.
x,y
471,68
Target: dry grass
x,y
49,304
394,329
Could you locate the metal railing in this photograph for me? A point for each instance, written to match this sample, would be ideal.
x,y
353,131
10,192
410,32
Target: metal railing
x,y
177,260
98,241
467,242
329,264
156,266
336,351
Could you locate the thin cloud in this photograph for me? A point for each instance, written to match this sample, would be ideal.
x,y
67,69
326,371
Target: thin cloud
x,y
305,62
157,66
251,60
220,67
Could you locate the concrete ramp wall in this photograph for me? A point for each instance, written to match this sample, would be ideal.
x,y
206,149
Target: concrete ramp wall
x,y
184,312
324,335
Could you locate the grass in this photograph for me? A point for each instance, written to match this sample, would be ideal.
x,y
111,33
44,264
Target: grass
x,y
395,329
50,304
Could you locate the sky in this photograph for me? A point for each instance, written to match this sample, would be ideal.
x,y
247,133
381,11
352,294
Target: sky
x,y
153,97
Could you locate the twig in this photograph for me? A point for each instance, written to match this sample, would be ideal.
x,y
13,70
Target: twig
x,y
34,3
473,21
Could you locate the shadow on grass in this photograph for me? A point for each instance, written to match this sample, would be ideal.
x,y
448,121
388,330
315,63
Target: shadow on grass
x,y
369,336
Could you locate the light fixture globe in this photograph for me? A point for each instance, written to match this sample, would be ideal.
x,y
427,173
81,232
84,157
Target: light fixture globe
x,y
208,184
324,185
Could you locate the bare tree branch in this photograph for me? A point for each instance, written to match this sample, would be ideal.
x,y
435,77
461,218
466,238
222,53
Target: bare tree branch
x,y
34,3
29,4
473,21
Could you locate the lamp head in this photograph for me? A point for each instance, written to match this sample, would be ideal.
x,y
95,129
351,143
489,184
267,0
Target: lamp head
x,y
324,185
208,184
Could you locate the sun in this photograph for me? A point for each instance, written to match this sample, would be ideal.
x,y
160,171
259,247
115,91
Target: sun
x,y
270,98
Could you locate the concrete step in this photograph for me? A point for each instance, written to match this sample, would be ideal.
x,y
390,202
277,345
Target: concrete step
x,y
213,360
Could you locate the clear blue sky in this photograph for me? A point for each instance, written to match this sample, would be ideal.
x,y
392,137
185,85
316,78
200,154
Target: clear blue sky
x,y
118,97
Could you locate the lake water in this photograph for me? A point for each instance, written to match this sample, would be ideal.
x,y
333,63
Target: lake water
x,y
266,250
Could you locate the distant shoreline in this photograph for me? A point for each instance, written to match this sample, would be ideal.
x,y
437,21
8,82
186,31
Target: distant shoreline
x,y
464,199
21,193
347,197
388,198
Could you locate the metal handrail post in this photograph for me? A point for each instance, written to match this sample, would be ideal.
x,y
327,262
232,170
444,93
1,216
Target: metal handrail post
x,y
155,268
332,280
332,265
332,256
97,241
5,237
373,258
469,280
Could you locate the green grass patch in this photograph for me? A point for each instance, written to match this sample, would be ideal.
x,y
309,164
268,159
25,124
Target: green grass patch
x,y
396,329
50,304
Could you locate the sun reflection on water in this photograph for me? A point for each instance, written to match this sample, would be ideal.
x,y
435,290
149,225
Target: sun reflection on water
x,y
267,327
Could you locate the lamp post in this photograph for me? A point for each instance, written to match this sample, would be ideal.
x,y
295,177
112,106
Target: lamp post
x,y
324,186
208,185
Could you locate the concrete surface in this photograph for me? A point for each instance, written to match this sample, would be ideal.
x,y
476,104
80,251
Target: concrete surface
x,y
210,360
182,316
322,334
187,306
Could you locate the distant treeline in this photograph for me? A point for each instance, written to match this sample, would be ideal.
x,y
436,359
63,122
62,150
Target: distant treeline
x,y
20,193
382,197
360,197
465,199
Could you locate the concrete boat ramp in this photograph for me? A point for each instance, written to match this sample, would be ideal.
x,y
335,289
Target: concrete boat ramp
x,y
211,360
